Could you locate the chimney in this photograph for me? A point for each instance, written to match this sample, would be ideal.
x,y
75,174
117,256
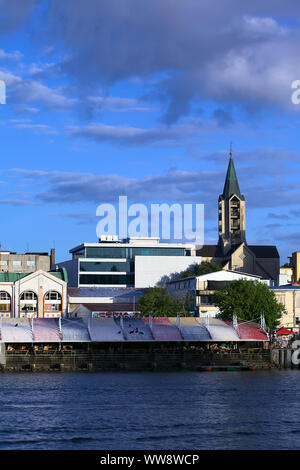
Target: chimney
x,y
52,257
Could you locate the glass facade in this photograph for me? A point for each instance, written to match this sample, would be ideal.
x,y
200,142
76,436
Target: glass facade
x,y
105,252
109,266
106,279
147,251
93,262
128,252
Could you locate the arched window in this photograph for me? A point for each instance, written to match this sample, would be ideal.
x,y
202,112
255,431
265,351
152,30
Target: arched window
x,y
5,302
28,303
52,303
28,295
53,295
4,295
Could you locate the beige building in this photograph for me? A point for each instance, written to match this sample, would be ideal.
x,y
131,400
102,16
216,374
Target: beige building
x,y
289,296
232,251
11,262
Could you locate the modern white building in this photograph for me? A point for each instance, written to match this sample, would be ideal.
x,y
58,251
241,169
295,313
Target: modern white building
x,y
40,295
136,262
285,276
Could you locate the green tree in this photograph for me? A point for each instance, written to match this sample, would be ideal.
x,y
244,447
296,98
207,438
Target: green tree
x,y
248,300
158,303
205,267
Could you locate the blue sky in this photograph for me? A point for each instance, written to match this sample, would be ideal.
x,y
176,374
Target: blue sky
x,y
141,99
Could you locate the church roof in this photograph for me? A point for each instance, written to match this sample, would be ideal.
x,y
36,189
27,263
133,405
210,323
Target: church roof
x,y
213,251
231,185
264,251
260,251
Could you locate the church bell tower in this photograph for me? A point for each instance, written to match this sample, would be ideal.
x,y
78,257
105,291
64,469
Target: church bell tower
x,y
231,212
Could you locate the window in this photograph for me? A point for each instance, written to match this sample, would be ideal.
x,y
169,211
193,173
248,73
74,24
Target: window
x,y
98,279
17,263
52,295
235,202
30,263
157,251
4,296
235,213
131,252
28,296
205,299
4,307
3,263
106,252
109,266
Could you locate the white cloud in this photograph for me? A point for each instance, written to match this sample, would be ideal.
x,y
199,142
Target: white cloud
x,y
37,128
263,26
16,55
22,91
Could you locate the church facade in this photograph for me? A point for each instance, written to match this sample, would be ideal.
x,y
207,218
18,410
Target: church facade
x,y
232,251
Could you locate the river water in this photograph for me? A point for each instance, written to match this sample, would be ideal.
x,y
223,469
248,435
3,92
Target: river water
x,y
184,410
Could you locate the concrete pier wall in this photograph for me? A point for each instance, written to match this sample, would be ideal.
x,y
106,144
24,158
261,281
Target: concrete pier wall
x,y
107,361
282,358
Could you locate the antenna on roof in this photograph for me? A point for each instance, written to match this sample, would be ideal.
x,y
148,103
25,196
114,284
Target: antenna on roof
x,y
230,149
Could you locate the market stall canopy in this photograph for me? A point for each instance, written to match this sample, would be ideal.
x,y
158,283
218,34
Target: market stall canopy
x,y
284,331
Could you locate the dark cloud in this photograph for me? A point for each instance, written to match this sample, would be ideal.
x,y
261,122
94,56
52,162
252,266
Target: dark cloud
x,y
14,13
176,186
135,136
261,190
223,117
273,226
237,52
295,213
184,53
295,237
16,202
278,216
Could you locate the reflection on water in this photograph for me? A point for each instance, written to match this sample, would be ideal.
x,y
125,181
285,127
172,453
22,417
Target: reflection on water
x,y
186,410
